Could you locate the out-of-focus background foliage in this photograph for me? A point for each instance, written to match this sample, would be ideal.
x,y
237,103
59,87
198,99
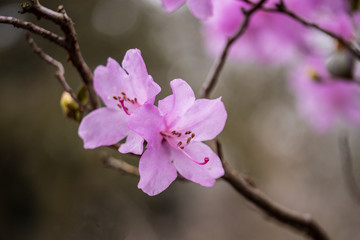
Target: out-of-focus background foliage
x,y
51,188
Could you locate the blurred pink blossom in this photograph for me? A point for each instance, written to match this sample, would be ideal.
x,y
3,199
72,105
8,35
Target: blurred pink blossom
x,y
123,90
323,99
174,132
201,9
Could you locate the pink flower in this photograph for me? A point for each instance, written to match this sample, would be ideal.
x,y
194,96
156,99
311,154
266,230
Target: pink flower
x,y
201,9
124,91
174,132
270,37
324,99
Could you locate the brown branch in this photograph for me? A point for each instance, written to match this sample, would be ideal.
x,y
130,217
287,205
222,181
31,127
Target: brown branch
x,y
60,74
71,43
300,222
220,62
34,29
283,9
120,165
347,167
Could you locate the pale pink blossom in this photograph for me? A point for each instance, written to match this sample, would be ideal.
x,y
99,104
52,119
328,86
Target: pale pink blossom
x,y
201,9
124,90
322,99
174,132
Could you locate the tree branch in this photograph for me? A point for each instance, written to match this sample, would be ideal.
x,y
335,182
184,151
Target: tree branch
x,y
34,29
347,167
296,221
220,62
71,43
120,165
60,74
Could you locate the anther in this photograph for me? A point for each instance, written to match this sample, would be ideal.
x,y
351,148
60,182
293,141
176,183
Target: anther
x,y
173,132
123,93
179,134
193,135
187,132
135,99
115,98
182,147
188,140
179,144
119,105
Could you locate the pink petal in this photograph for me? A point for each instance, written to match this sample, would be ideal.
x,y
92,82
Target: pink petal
x,y
206,118
165,105
156,170
109,81
204,175
172,5
142,84
134,144
201,9
103,127
148,123
183,98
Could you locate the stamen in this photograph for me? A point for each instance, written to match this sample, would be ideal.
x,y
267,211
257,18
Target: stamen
x,y
206,159
125,108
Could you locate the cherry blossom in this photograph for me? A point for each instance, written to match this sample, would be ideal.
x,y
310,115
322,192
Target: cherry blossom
x,y
124,90
174,132
201,9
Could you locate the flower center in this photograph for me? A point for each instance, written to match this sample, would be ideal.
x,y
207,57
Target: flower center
x,y
180,141
124,99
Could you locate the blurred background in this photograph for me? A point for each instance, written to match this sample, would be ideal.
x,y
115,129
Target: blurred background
x,y
51,188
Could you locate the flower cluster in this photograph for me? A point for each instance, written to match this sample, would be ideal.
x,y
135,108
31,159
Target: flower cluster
x,y
273,38
173,131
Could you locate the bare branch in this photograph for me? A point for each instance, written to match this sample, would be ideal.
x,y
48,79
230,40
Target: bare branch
x,y
120,165
34,29
71,43
220,62
300,222
60,74
347,167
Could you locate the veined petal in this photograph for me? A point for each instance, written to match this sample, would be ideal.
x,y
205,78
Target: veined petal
x,y
204,175
201,9
109,81
148,123
142,84
206,118
172,5
103,127
134,144
156,170
183,98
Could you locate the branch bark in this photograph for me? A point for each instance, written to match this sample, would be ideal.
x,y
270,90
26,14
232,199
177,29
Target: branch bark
x,y
71,43
220,62
60,74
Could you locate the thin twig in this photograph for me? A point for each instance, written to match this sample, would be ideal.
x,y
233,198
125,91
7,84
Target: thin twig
x,y
348,172
120,165
34,29
300,222
60,74
71,43
220,62
283,9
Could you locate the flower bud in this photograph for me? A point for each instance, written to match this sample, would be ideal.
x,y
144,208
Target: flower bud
x,y
69,107
341,64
